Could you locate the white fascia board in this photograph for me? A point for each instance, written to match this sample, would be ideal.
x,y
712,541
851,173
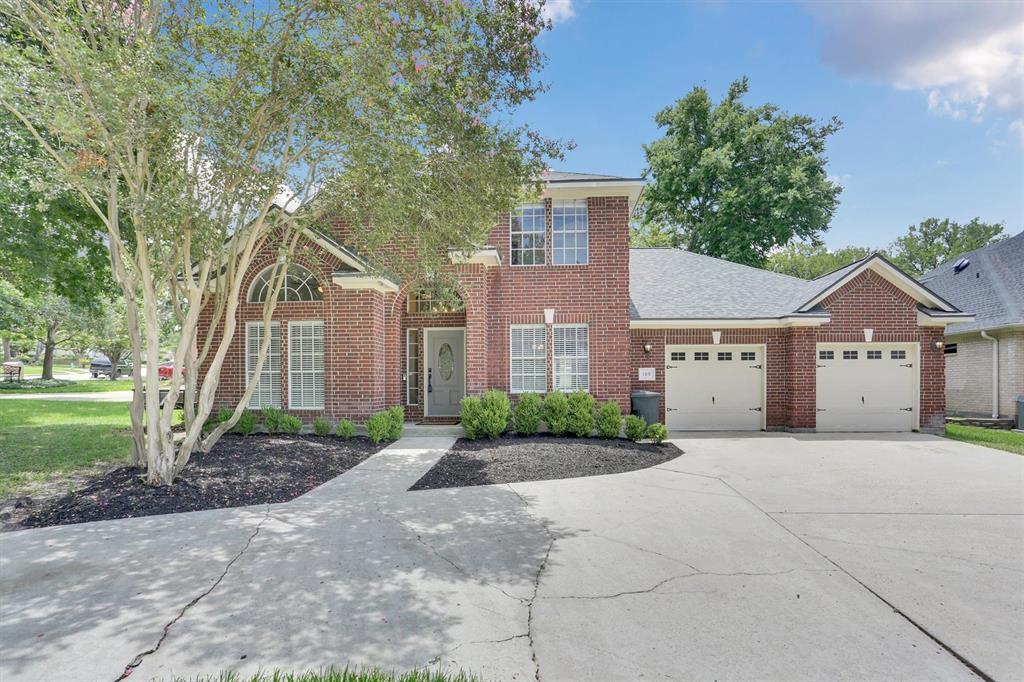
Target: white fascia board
x,y
926,320
733,323
361,281
588,188
890,273
974,333
488,256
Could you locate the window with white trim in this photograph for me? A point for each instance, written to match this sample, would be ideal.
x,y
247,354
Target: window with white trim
x,y
412,367
570,357
268,391
569,232
528,358
306,365
526,235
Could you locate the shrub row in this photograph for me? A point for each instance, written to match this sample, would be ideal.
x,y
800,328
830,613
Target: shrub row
x,y
491,414
386,425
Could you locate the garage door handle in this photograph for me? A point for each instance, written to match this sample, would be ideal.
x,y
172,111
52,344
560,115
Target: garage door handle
x,y
819,365
906,409
671,409
671,366
754,366
909,364
755,409
821,409
712,400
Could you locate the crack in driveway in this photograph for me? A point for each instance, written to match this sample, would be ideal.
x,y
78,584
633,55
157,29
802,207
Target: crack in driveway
x,y
141,656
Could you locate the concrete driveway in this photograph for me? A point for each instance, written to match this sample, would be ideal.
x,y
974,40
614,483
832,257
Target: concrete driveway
x,y
765,557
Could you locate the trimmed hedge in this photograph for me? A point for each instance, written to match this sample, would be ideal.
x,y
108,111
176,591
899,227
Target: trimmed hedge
x,y
346,429
657,432
526,415
609,420
581,414
555,413
636,427
321,426
485,416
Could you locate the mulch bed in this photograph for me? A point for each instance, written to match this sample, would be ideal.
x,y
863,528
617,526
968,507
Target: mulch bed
x,y
514,459
240,470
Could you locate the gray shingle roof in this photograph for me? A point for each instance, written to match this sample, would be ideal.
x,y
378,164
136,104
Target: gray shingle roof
x,y
564,176
991,287
672,284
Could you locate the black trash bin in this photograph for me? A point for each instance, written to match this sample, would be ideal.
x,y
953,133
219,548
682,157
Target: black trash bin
x,y
645,404
1020,412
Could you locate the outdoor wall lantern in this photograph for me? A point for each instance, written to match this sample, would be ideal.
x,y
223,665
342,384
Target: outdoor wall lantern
x,y
939,345
648,347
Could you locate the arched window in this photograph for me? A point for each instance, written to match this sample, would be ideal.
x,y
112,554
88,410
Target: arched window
x,y
299,285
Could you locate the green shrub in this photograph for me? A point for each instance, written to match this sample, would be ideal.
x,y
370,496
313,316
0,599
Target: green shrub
x,y
526,415
272,419
556,413
636,427
657,432
321,426
485,416
396,424
380,426
246,423
609,420
346,429
581,414
290,424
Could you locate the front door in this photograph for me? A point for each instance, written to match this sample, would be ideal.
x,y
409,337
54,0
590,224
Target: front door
x,y
446,371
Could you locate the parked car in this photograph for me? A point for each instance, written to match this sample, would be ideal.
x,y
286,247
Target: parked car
x,y
101,367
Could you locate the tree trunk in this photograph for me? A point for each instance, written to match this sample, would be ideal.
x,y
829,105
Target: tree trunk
x,y
48,348
7,349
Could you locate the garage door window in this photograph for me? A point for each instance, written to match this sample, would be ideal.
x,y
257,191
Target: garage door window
x,y
898,354
700,356
748,356
826,355
678,356
849,355
874,355
725,356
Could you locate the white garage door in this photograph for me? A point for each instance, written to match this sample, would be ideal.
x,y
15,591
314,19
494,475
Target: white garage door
x,y
714,388
867,386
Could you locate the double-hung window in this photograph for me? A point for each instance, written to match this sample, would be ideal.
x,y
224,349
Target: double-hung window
x,y
528,359
571,357
569,233
268,390
526,235
306,365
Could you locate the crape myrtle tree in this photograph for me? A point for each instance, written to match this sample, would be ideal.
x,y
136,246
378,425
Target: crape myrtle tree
x,y
199,132
733,181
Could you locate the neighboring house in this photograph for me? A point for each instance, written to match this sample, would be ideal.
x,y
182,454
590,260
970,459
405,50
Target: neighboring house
x,y
984,358
556,300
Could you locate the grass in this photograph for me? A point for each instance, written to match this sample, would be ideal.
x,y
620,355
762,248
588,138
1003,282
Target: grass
x,y
993,438
44,439
60,386
37,370
335,675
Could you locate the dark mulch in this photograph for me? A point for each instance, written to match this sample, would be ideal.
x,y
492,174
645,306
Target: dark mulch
x,y
240,470
514,459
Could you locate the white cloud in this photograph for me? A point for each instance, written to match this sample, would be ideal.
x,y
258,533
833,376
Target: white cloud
x,y
967,57
558,10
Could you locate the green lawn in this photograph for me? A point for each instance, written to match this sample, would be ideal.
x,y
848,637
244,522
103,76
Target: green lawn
x,y
37,370
58,386
993,438
43,439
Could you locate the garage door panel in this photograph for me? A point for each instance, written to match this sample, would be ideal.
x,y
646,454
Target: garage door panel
x,y
866,387
714,388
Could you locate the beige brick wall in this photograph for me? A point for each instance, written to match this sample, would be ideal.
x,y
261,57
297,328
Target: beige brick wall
x,y
969,373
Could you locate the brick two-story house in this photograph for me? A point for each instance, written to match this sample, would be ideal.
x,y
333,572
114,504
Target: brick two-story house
x,y
556,300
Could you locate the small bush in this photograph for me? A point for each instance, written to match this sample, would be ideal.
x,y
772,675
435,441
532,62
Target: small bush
x,y
657,432
380,426
556,413
346,429
609,420
290,424
246,423
485,416
272,419
526,415
636,427
321,426
396,425
581,414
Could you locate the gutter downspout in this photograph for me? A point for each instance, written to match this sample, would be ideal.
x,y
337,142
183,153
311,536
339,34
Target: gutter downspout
x,y
995,373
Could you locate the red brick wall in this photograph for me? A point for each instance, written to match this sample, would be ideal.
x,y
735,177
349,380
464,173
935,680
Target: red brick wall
x,y
867,302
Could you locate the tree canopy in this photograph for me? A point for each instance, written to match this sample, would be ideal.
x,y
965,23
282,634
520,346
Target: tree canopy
x,y
807,261
932,242
735,182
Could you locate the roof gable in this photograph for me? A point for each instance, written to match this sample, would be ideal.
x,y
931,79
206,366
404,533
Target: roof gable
x,y
878,264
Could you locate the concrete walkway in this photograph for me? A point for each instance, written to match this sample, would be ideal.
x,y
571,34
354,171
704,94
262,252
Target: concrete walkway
x,y
777,557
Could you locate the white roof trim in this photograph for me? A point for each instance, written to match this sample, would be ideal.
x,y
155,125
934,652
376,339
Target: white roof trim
x,y
583,189
487,256
926,320
335,249
733,323
892,274
360,281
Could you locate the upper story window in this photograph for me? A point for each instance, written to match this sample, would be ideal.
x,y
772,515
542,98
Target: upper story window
x,y
426,302
569,238
526,235
299,285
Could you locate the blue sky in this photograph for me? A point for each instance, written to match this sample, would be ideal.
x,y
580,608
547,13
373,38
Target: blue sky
x,y
930,97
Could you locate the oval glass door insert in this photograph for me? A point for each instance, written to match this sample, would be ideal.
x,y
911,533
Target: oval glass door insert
x,y
446,361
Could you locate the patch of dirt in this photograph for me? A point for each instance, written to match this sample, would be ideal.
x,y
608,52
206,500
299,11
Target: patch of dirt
x,y
239,471
514,459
